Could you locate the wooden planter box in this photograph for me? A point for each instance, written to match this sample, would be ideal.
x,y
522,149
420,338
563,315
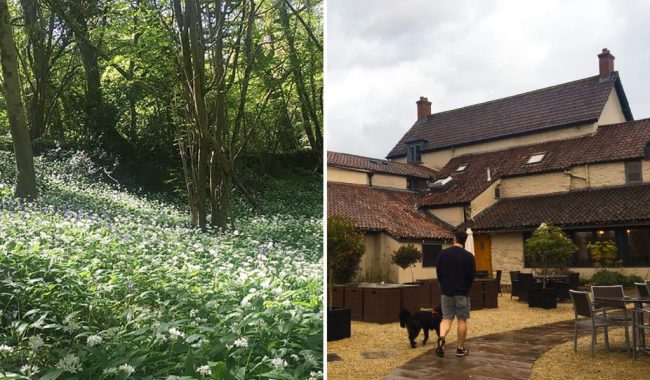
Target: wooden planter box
x,y
414,297
353,299
381,305
427,298
476,295
339,321
336,296
490,294
544,298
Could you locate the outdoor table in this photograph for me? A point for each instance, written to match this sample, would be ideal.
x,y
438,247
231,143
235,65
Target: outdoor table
x,y
638,305
556,277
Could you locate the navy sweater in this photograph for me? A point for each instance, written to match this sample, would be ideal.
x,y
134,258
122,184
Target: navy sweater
x,y
456,269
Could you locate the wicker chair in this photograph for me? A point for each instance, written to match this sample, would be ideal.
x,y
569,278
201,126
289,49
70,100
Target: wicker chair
x,y
514,281
499,281
526,280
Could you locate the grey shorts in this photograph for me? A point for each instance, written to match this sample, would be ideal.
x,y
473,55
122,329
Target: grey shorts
x,y
456,306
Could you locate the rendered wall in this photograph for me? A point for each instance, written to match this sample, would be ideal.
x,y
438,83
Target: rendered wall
x,y
393,181
451,215
610,174
377,260
485,199
612,112
346,176
534,184
437,160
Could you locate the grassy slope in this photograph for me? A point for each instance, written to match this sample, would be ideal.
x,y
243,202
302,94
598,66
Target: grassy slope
x,y
88,259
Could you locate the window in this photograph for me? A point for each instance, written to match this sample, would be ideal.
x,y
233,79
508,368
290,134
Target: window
x,y
416,184
633,172
430,252
638,247
497,192
536,158
414,154
461,167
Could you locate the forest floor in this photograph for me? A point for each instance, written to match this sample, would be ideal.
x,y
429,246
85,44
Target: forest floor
x,y
100,283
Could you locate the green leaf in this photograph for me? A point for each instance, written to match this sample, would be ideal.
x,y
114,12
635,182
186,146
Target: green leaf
x,y
52,374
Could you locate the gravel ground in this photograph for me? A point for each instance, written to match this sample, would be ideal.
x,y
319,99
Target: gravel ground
x,y
391,341
562,363
389,346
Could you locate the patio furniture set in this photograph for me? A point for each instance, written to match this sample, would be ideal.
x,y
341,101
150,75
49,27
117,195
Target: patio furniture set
x,y
609,309
381,303
557,288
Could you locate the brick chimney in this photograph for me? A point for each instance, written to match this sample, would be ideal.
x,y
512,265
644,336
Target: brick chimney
x,y
606,64
424,107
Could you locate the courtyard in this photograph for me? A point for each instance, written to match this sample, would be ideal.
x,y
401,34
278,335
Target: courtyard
x,y
497,341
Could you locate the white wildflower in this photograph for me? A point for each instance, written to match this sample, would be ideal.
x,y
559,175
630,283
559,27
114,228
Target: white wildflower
x,y
174,333
245,302
29,369
110,371
193,313
204,370
5,348
36,342
160,338
126,368
236,232
94,340
315,375
241,342
278,363
69,363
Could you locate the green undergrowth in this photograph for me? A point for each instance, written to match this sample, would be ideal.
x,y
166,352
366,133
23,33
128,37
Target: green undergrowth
x,y
100,283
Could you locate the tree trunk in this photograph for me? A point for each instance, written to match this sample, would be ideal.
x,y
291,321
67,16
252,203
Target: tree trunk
x,y
310,117
25,175
35,27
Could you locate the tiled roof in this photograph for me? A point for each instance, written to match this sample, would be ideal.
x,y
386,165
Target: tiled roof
x,y
567,104
594,207
393,212
616,142
377,165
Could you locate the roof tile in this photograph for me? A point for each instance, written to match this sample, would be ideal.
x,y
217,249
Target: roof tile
x,y
378,165
392,211
570,103
593,207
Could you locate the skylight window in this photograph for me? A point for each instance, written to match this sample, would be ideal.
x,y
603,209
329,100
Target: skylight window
x,y
461,167
536,158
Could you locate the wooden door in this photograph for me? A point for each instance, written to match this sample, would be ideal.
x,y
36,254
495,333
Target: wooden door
x,y
483,253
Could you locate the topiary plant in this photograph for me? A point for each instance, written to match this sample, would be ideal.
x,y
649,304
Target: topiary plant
x,y
603,254
407,256
549,247
344,249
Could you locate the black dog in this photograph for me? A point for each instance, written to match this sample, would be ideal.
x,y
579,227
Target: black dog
x,y
422,320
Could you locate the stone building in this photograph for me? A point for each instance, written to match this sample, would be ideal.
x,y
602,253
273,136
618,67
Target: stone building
x,y
571,155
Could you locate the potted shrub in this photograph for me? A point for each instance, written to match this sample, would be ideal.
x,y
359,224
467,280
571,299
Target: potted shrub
x,y
344,251
406,257
548,247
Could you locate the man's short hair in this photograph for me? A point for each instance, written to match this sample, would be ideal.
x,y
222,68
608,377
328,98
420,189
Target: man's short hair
x,y
461,236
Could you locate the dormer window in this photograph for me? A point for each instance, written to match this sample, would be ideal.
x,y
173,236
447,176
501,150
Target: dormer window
x,y
461,167
536,158
414,154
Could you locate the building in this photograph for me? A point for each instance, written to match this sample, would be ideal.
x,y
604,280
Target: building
x,y
571,155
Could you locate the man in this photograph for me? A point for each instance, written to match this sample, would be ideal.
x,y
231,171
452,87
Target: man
x,y
456,269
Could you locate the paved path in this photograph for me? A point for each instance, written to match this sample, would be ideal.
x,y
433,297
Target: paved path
x,y
508,355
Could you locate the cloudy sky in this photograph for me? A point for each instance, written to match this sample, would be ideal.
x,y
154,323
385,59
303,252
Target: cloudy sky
x,y
381,56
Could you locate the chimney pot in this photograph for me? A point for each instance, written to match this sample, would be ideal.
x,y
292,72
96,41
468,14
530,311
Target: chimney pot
x,y
424,107
605,64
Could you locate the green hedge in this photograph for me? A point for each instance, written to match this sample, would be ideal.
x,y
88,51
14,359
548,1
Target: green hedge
x,y
605,277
